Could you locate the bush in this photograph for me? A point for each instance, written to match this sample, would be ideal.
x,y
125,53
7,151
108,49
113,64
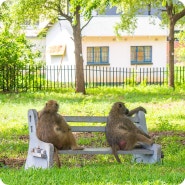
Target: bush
x,y
15,52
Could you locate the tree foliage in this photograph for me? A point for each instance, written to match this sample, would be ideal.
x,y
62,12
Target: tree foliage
x,y
14,47
15,50
171,11
71,10
180,51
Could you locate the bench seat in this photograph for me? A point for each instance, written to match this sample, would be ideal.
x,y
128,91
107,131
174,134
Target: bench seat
x,y
107,150
40,154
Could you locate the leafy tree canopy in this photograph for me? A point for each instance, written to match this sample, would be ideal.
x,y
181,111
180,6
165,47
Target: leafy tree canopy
x,y
52,9
14,47
26,10
180,51
129,10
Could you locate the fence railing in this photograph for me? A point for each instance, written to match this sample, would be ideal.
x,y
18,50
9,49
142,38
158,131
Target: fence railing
x,y
33,78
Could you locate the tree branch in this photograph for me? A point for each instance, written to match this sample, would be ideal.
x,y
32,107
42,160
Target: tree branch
x,y
169,9
69,18
86,23
179,15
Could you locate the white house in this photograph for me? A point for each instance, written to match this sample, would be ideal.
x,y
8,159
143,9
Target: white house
x,y
145,47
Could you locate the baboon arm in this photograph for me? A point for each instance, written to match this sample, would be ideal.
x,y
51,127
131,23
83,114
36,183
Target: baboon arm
x,y
134,111
126,125
142,138
139,131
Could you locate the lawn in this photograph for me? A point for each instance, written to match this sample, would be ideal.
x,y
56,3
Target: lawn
x,y
165,120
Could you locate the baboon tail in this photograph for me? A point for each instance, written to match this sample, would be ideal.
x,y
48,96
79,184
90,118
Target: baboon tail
x,y
114,151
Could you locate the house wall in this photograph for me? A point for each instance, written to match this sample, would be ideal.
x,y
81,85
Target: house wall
x,y
119,49
119,56
59,36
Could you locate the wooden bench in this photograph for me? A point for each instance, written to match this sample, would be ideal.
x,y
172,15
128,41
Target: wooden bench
x,y
40,154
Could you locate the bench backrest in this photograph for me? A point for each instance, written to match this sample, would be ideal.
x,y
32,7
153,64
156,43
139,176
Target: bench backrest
x,y
92,119
87,119
138,119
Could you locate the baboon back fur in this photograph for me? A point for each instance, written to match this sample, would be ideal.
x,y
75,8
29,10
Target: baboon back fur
x,y
121,132
52,128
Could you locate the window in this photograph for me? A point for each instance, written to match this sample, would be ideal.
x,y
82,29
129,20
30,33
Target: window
x,y
141,54
97,55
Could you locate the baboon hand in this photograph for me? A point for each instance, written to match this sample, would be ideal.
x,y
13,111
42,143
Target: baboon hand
x,y
152,141
142,109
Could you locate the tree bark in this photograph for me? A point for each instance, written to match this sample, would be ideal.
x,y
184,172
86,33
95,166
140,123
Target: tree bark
x,y
80,83
173,18
171,54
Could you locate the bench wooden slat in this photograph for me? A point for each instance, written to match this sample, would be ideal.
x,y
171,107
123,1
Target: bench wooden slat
x,y
107,150
88,129
94,119
90,119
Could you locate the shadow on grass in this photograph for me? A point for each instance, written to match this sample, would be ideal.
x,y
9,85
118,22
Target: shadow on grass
x,y
130,94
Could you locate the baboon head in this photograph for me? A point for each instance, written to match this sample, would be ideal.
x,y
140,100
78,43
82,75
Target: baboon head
x,y
119,108
51,106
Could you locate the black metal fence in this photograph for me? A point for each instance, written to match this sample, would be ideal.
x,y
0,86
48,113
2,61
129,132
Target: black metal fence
x,y
33,78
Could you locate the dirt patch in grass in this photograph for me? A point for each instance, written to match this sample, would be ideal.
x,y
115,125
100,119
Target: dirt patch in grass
x,y
12,162
161,134
168,133
19,162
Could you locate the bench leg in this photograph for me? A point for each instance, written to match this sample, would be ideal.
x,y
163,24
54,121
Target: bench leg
x,y
144,158
40,154
40,157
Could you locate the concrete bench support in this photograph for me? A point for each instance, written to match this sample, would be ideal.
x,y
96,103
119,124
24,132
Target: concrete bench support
x,y
40,154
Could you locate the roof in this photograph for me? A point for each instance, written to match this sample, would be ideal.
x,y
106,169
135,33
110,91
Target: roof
x,y
104,26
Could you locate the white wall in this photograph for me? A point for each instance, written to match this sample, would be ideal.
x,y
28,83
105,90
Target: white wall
x,y
58,36
119,51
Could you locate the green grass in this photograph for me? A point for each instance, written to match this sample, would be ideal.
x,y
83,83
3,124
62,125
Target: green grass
x,y
165,115
97,174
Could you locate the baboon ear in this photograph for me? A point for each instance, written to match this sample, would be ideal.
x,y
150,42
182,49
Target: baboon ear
x,y
120,105
46,104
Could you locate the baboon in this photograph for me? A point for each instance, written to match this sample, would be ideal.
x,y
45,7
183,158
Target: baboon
x,y
121,132
52,128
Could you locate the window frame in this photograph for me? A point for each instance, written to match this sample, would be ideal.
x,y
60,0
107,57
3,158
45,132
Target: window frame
x,y
101,61
145,57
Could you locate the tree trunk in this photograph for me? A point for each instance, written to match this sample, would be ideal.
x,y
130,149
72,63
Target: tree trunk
x,y
80,83
171,54
173,18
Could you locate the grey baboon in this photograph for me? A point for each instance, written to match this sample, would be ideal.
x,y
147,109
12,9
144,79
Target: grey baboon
x,y
121,132
52,128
